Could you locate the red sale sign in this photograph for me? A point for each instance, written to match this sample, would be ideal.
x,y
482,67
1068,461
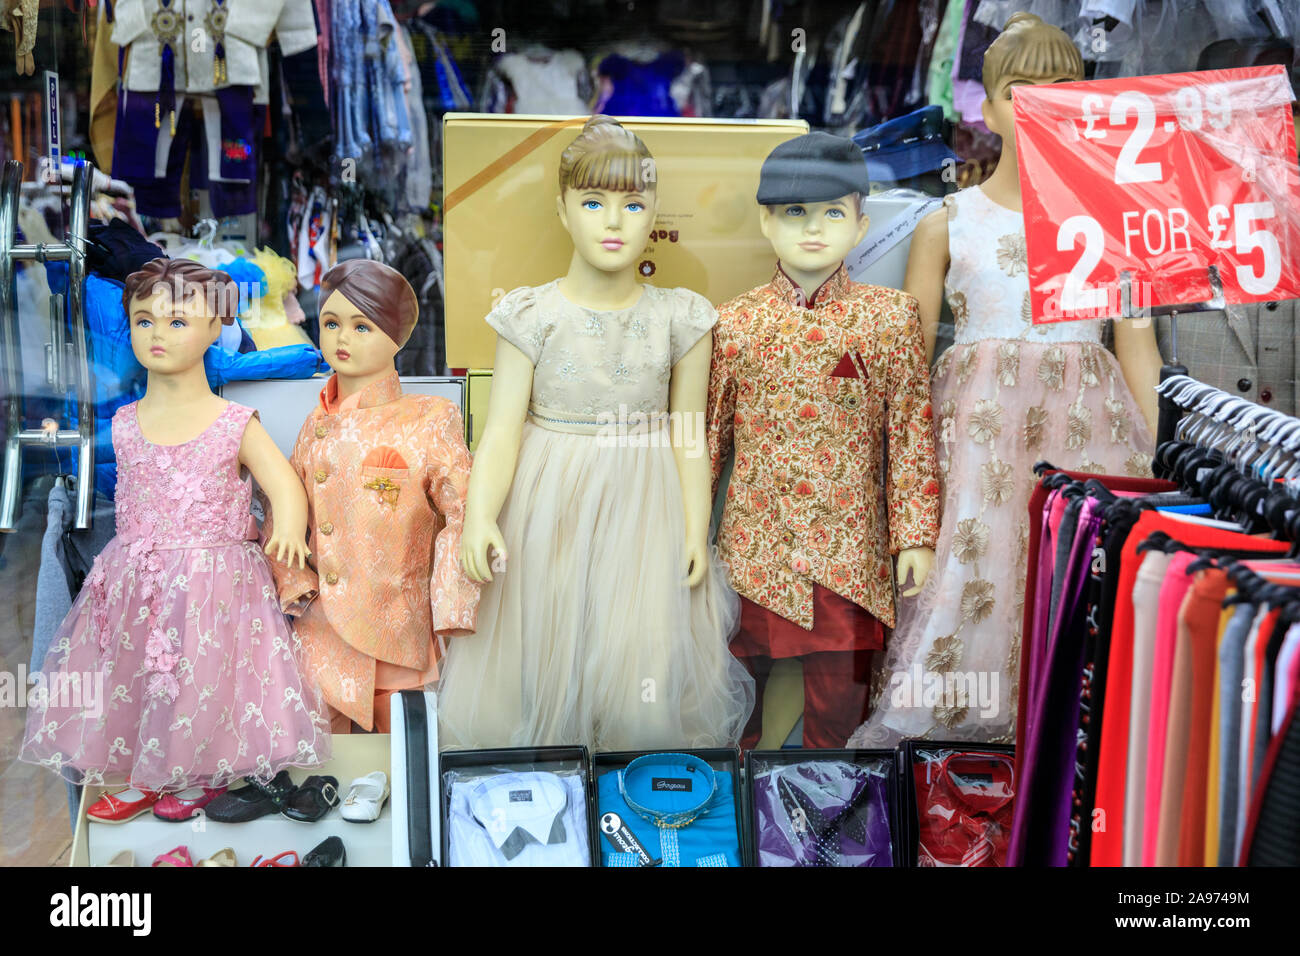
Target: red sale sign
x,y
1154,179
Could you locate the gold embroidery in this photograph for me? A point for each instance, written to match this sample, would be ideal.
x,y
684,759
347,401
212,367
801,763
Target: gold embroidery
x,y
960,311
986,421
1120,423
1138,465
977,599
1011,254
1026,310
971,541
996,480
950,716
1035,422
965,364
1079,431
1008,363
1090,366
945,655
1051,369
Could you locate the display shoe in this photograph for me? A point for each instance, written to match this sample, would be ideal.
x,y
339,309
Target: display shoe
x,y
366,797
315,798
178,856
287,855
175,807
122,858
121,806
329,853
253,801
224,857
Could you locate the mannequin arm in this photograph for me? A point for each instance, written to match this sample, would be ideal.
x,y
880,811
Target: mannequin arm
x,y
494,460
453,597
687,396
927,265
1139,359
276,477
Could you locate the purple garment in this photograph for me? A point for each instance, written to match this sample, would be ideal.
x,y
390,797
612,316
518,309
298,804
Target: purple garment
x,y
823,813
1045,764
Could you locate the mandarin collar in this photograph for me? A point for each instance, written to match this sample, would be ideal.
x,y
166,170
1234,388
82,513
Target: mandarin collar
x,y
387,389
670,819
835,287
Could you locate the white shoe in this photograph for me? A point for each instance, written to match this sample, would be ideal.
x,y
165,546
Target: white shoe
x,y
365,799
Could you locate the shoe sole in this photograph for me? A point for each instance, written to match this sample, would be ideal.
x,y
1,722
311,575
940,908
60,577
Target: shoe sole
x,y
94,819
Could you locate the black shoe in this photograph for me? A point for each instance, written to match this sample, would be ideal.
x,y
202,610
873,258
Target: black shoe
x,y
329,853
256,800
316,797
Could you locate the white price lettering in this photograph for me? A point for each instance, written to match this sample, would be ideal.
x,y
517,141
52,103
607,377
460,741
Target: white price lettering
x,y
1219,106
1127,168
1248,240
1076,296
1089,117
1187,104
1218,227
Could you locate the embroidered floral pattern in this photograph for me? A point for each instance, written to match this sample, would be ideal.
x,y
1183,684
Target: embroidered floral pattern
x,y
977,599
1051,368
1079,426
945,655
1011,254
971,541
1138,465
1120,423
808,445
996,482
965,363
960,311
1008,364
1090,367
986,421
1035,422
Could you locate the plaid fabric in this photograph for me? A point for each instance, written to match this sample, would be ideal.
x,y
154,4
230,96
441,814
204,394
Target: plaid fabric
x,y
1251,351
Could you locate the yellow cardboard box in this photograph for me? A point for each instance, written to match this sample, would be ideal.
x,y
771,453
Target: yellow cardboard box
x,y
500,175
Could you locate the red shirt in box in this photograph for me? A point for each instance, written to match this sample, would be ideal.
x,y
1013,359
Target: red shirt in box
x,y
964,808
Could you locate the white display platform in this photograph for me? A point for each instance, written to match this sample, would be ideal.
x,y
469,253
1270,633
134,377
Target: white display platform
x,y
366,844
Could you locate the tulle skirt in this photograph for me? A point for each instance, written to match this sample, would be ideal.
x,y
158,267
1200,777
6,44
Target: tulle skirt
x,y
591,635
210,691
951,666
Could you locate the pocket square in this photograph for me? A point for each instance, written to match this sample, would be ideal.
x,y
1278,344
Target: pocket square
x,y
384,457
846,369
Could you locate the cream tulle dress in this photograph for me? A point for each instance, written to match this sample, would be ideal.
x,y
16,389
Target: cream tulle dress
x,y
591,636
1007,394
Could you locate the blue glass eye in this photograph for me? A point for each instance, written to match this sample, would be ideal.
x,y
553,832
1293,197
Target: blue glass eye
x,y
835,213
591,204
794,211
635,207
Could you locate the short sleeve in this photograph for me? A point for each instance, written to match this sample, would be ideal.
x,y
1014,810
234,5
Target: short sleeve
x,y
693,317
515,318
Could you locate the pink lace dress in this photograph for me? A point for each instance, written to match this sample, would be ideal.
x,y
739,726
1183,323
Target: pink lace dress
x,y
175,666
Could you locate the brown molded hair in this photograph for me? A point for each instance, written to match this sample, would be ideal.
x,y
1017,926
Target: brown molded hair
x,y
1030,48
381,293
606,155
220,292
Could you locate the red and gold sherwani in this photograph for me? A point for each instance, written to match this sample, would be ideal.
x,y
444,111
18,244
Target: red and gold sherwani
x,y
812,394
386,476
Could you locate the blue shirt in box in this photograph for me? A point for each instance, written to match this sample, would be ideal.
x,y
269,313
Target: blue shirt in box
x,y
674,807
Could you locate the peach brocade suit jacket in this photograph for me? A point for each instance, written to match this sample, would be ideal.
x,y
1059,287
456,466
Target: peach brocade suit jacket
x,y
386,477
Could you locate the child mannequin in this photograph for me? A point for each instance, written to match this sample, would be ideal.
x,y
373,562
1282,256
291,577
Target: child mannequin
x,y
605,620
1008,394
386,476
176,631
809,371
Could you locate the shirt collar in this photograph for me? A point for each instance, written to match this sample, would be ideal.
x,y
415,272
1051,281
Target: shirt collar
x,y
983,782
516,808
835,287
387,389
675,808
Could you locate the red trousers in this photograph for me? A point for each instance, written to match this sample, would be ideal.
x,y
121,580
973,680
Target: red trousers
x,y
836,688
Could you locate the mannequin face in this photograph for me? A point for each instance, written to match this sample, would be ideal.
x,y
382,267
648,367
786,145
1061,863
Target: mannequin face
x,y
351,343
999,115
169,337
814,236
609,229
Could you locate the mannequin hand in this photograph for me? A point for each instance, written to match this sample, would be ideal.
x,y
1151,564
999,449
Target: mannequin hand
x,y
285,548
917,561
697,562
475,540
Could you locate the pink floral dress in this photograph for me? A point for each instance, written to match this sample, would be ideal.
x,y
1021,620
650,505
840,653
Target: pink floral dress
x,y
175,666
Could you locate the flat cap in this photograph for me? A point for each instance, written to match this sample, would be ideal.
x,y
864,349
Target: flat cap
x,y
815,167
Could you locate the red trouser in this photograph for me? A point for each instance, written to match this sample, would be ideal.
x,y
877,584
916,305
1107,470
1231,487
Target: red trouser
x,y
836,688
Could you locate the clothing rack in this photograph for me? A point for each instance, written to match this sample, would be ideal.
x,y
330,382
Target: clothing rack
x,y
1248,434
77,377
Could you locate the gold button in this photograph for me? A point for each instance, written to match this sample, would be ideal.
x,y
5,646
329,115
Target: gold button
x,y
320,431
327,528
320,477
331,578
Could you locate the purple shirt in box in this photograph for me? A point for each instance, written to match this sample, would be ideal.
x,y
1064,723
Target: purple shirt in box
x,y
822,813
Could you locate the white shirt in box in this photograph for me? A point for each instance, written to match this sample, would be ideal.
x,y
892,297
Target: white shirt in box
x,y
519,819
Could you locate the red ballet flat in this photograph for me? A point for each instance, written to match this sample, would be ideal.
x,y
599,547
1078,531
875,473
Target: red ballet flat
x,y
175,807
122,806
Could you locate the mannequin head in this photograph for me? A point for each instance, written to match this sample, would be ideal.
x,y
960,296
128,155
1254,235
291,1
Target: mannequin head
x,y
368,312
1027,51
810,202
176,308
607,199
